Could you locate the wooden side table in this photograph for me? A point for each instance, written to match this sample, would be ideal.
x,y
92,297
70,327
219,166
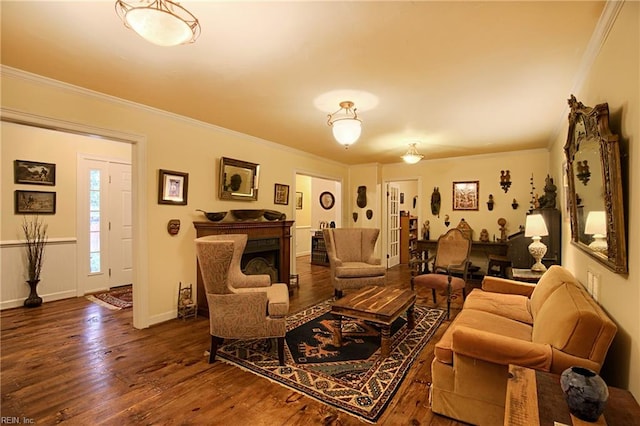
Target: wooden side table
x,y
535,398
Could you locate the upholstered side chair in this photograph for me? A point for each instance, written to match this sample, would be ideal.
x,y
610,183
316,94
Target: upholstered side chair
x,y
240,306
352,258
451,257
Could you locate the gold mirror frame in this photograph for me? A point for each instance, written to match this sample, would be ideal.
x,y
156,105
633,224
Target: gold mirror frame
x,y
595,183
238,180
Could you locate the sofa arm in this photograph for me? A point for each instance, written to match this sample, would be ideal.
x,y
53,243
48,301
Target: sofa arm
x,y
503,285
374,261
500,349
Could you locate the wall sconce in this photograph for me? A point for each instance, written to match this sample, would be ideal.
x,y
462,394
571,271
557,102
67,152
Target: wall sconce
x,y
583,172
490,202
596,225
536,229
505,180
161,22
345,124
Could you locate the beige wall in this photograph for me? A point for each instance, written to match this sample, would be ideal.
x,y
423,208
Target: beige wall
x,y
614,79
172,143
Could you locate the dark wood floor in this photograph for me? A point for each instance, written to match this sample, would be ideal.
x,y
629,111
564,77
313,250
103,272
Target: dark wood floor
x,y
76,362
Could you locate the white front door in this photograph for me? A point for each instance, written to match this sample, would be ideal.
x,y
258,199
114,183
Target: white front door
x,y
393,237
104,225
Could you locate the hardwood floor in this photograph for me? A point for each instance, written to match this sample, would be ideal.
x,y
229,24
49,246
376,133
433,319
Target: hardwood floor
x,y
75,362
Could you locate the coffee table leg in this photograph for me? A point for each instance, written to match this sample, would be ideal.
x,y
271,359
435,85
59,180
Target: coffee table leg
x,y
337,330
385,344
411,322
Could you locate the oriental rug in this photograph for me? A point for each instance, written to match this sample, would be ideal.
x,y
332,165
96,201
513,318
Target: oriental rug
x,y
116,298
352,378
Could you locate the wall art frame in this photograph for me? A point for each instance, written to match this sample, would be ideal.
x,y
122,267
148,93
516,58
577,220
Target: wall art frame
x,y
173,187
466,195
299,198
281,194
34,172
35,202
238,180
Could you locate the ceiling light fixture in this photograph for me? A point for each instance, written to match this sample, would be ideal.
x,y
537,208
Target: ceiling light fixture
x,y
160,22
345,124
412,156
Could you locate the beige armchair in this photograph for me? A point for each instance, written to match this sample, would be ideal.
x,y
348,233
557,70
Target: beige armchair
x,y
240,306
352,259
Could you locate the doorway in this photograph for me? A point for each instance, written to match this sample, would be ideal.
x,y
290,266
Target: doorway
x,y
402,197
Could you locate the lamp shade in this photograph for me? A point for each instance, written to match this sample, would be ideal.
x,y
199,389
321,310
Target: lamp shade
x,y
596,223
535,226
347,131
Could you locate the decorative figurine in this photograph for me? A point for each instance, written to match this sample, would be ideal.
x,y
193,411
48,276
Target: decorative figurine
x,y
505,180
435,202
369,214
548,200
490,202
425,229
514,204
446,220
484,235
355,216
173,227
362,197
503,231
583,171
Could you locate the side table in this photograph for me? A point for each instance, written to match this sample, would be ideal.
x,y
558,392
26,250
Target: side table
x,y
535,398
526,275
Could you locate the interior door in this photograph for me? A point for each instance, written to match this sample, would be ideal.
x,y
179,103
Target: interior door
x,y
393,237
120,225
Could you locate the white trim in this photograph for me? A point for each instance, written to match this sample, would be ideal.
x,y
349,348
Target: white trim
x,y
9,243
16,303
139,190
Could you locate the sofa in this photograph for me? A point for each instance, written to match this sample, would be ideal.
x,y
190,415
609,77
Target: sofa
x,y
548,326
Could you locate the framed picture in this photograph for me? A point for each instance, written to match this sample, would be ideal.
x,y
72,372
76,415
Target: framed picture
x,y
35,202
327,200
281,194
465,195
238,180
34,173
299,197
172,187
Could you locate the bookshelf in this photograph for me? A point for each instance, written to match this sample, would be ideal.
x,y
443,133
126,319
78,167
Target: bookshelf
x,y
408,236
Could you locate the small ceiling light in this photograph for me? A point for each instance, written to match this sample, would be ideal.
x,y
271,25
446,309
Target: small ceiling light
x,y
345,124
412,156
160,22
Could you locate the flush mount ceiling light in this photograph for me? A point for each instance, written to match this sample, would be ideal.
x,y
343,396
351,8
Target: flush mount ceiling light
x,y
345,124
160,22
412,156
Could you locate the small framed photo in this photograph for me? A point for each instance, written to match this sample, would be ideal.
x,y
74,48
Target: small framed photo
x,y
281,194
465,195
34,173
172,187
299,197
35,202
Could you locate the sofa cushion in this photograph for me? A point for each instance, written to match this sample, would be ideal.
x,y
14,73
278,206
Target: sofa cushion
x,y
512,306
552,279
571,322
480,320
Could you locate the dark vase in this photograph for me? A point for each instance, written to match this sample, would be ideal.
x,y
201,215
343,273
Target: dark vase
x,y
33,300
585,391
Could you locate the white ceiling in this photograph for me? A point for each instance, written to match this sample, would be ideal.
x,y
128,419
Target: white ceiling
x,y
458,77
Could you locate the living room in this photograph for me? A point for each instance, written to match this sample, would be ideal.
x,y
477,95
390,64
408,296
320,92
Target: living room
x,y
160,140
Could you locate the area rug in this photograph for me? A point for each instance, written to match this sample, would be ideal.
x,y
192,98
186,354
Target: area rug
x,y
116,298
352,378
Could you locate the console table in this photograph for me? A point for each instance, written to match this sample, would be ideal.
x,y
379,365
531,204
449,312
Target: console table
x,y
534,398
477,247
272,235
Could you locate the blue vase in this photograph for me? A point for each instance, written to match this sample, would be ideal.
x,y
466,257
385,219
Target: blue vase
x,y
585,391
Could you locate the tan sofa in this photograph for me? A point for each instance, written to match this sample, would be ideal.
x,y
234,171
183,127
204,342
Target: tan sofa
x,y
549,326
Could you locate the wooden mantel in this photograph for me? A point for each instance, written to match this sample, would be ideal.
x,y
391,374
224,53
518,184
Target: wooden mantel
x,y
255,230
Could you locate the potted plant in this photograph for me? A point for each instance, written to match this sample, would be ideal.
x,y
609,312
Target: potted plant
x,y
35,233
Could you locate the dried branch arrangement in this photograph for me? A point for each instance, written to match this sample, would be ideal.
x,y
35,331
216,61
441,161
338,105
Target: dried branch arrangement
x,y
35,233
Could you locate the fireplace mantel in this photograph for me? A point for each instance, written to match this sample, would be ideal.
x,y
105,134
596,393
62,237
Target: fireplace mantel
x,y
255,230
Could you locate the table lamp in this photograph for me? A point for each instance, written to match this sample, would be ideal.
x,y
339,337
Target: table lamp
x,y
596,225
536,228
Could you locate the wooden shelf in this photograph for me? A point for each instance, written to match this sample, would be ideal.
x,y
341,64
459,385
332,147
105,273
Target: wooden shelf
x,y
408,237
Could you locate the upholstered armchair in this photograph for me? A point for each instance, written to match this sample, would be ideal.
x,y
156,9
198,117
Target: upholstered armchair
x,y
451,257
352,258
240,306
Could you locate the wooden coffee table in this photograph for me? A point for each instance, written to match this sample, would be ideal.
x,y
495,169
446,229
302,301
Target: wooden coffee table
x,y
380,305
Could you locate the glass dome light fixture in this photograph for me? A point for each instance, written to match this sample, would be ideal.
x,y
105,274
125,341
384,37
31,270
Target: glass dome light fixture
x,y
412,156
345,124
161,22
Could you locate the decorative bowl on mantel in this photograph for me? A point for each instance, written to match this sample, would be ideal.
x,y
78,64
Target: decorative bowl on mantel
x,y
248,214
213,216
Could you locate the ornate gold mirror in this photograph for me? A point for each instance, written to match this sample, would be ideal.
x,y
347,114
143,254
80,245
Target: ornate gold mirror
x,y
595,198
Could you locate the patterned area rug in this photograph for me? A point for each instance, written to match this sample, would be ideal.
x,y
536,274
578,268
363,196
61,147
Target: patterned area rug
x,y
116,298
352,378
